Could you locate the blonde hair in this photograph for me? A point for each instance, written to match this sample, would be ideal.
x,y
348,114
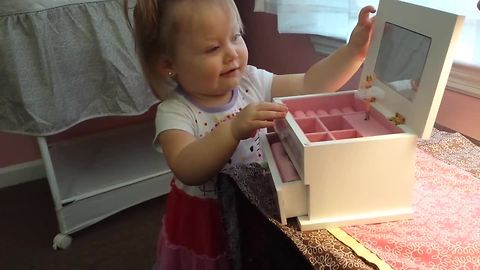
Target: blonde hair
x,y
155,29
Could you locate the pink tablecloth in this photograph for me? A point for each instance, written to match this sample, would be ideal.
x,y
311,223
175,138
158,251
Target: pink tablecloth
x,y
445,230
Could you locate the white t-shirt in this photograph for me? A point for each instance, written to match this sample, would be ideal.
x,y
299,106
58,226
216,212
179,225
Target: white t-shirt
x,y
180,112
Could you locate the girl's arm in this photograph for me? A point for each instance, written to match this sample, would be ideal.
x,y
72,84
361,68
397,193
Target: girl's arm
x,y
194,161
334,71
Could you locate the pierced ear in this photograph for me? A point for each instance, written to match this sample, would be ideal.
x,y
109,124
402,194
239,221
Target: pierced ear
x,y
165,67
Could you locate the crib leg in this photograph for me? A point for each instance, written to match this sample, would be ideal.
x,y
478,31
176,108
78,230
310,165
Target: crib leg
x,y
61,241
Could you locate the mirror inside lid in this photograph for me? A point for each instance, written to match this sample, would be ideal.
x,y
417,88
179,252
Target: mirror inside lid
x,y
408,63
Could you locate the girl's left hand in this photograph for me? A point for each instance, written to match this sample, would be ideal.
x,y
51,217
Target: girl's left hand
x,y
361,34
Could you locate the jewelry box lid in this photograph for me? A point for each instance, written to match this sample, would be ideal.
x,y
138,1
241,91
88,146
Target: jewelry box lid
x,y
408,63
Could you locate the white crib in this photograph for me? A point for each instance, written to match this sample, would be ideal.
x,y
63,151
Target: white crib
x,y
64,62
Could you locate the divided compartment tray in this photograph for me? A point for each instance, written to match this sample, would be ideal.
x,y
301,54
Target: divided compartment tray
x,y
336,117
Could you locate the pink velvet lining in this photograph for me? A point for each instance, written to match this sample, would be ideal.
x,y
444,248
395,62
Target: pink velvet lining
x,y
285,167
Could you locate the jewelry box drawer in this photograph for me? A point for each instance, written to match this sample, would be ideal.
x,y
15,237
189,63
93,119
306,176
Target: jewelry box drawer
x,y
291,192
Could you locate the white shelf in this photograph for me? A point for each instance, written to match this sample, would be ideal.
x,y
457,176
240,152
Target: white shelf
x,y
95,176
105,161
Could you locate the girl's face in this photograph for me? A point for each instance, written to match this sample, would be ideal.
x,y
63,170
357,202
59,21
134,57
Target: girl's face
x,y
211,55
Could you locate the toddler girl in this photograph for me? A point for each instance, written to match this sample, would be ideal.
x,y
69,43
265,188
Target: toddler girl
x,y
213,116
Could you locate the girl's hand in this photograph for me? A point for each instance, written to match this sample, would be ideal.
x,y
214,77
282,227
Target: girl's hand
x,y
256,116
361,34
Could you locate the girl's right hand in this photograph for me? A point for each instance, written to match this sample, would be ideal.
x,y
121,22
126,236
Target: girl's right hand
x,y
256,116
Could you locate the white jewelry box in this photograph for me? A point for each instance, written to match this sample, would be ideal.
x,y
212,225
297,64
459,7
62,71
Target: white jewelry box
x,y
354,151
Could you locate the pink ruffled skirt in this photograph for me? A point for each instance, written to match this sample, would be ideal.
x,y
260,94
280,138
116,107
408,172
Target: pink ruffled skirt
x,y
192,236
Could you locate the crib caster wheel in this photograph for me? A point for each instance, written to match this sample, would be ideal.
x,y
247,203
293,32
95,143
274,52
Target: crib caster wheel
x,y
61,241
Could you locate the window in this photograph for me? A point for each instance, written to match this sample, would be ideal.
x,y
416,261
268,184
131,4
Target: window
x,y
330,23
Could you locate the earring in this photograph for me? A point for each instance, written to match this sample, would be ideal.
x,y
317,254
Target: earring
x,y
170,74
